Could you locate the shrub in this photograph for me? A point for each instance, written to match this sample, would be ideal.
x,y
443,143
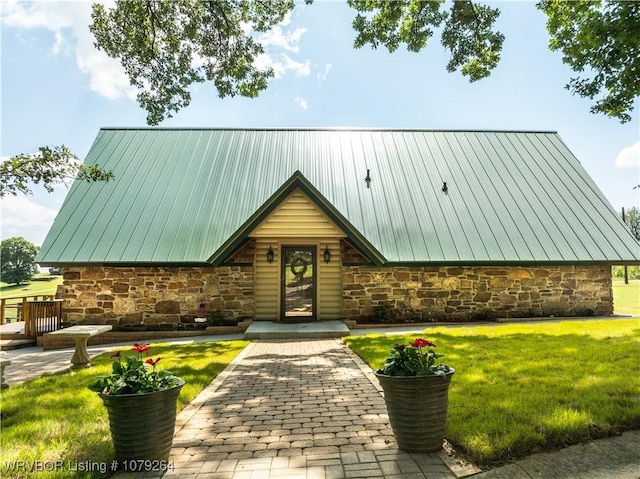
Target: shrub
x,y
219,318
384,313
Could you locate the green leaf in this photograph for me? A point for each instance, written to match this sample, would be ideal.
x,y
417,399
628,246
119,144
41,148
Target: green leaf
x,y
600,41
166,47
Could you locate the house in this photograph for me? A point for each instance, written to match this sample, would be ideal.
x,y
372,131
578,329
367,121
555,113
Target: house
x,y
318,224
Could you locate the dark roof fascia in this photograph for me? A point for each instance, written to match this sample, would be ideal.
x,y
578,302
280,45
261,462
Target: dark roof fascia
x,y
378,264
128,264
297,180
509,263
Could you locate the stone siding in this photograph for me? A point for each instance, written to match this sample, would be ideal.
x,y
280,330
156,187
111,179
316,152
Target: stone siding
x,y
461,293
128,295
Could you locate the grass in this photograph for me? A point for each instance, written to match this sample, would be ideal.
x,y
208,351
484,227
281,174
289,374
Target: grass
x,y
56,418
524,388
626,297
41,284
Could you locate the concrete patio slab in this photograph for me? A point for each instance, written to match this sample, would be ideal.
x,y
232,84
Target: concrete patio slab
x,y
279,330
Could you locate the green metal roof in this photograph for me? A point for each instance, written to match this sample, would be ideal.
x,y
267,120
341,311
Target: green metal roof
x,y
184,196
297,181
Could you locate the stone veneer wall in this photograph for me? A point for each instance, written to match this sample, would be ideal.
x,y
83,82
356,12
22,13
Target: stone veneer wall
x,y
458,293
128,295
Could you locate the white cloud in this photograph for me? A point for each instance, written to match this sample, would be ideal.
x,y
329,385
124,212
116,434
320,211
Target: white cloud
x,y
277,41
301,102
107,77
281,64
34,15
287,19
322,76
277,37
23,217
69,22
300,69
59,44
629,157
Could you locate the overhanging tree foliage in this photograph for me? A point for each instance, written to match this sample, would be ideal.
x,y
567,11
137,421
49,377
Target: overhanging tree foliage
x,y
600,41
50,166
468,30
17,260
165,47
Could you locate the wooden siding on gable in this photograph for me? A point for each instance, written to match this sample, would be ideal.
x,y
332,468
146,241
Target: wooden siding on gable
x,y
297,217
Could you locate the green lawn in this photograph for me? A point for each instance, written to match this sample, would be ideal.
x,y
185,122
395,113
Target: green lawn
x,y
523,388
626,297
56,418
45,284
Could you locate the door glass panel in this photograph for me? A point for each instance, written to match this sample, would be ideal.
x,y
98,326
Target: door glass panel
x,y
298,283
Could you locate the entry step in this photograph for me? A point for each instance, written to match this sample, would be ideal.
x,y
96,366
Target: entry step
x,y
311,329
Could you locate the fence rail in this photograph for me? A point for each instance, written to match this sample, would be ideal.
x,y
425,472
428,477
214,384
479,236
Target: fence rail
x,y
39,316
13,306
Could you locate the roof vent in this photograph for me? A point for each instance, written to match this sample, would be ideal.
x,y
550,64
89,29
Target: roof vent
x,y
367,179
444,188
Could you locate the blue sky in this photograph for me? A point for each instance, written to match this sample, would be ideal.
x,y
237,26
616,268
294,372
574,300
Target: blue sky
x,y
57,89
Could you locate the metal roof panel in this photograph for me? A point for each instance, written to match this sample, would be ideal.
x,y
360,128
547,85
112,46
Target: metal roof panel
x,y
181,194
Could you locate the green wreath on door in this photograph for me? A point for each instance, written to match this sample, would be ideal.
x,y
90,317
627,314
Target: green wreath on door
x,y
299,267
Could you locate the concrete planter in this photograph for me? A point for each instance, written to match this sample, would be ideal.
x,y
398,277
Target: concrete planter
x,y
417,408
142,425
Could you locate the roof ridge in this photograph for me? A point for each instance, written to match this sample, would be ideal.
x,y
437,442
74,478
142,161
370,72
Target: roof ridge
x,y
321,128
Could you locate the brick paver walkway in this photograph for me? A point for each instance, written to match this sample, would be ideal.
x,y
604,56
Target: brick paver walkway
x,y
295,409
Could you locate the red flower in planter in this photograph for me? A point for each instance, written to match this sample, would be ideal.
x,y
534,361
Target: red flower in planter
x,y
152,362
417,360
422,343
419,343
134,375
140,348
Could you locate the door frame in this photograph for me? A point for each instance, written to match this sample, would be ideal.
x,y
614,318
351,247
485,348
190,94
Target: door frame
x,y
313,249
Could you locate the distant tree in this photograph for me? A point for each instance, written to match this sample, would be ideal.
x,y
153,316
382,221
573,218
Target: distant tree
x,y
17,260
633,272
50,166
166,46
632,218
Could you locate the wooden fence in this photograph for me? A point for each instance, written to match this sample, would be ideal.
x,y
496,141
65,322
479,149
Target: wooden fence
x,y
39,316
42,317
11,308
